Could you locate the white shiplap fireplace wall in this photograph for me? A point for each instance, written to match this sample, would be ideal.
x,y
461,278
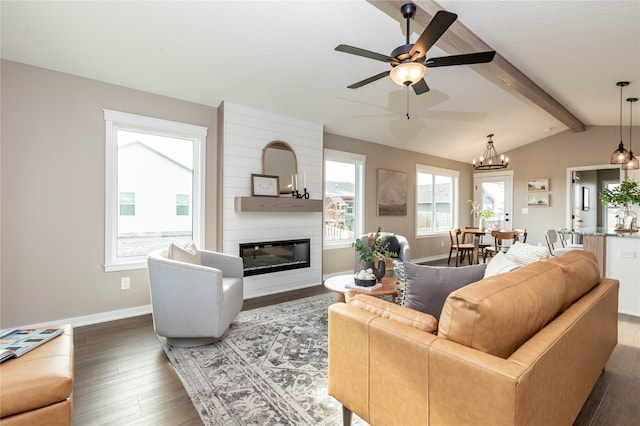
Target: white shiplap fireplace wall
x,y
245,132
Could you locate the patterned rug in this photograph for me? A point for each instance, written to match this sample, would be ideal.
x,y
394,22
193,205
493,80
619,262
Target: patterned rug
x,y
271,369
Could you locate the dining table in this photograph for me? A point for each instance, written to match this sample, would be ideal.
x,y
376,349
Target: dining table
x,y
480,242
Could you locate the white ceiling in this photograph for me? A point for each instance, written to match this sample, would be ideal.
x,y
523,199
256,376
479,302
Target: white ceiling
x,y
279,56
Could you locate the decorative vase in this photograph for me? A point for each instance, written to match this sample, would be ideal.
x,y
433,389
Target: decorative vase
x,y
366,265
481,224
627,219
379,270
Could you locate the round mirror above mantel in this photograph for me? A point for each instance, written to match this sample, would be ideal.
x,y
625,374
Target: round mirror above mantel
x,y
279,159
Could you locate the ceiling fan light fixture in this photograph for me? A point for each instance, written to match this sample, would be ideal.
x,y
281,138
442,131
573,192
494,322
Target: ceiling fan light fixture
x,y
408,73
620,155
490,159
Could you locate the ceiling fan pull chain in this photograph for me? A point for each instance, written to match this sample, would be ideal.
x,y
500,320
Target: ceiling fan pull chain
x,y
407,90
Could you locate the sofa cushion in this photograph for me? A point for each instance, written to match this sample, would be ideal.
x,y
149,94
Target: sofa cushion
x,y
500,313
419,320
427,287
581,273
527,253
500,264
188,253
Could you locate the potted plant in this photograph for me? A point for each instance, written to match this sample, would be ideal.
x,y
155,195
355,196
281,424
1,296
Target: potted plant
x,y
623,196
373,255
482,214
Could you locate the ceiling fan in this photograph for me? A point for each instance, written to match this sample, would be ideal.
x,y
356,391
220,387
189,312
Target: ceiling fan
x,y
408,62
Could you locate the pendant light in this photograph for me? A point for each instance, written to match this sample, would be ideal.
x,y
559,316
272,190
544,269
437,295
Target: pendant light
x,y
620,155
633,163
490,160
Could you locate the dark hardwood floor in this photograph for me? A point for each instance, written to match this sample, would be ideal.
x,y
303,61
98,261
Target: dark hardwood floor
x,y
122,376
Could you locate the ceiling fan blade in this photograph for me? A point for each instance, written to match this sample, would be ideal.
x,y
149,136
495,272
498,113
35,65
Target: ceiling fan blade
x,y
369,80
438,25
465,59
362,52
420,87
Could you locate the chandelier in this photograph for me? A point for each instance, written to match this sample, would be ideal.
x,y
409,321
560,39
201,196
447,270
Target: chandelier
x,y
490,160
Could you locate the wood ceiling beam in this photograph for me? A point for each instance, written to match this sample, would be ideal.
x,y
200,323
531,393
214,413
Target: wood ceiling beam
x,y
460,39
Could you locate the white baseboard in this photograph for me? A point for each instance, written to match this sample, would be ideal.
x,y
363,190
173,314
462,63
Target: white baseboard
x,y
98,318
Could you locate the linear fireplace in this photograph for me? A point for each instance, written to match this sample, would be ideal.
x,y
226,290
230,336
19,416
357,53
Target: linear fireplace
x,y
273,256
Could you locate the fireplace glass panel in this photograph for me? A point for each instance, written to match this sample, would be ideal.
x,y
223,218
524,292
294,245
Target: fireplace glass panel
x,y
272,256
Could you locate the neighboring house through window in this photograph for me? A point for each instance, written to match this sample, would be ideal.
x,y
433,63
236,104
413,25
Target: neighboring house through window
x,y
436,200
127,204
343,197
154,187
182,204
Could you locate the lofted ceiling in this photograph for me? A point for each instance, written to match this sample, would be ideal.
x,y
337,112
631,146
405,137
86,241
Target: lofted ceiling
x,y
279,56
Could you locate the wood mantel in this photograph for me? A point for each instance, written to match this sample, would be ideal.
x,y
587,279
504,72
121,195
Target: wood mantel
x,y
276,204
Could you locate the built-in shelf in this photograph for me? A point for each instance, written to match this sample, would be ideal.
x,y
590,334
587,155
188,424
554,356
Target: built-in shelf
x,y
276,204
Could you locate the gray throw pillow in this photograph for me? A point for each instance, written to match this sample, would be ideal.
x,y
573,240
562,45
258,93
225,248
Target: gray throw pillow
x,y
391,244
426,287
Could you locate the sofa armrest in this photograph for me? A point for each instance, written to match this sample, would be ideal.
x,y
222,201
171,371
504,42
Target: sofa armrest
x,y
348,380
366,352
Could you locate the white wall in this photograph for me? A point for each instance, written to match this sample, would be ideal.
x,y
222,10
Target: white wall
x,y
245,132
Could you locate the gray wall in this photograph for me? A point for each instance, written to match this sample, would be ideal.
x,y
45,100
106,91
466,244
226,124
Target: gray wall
x,y
52,191
550,157
53,168
386,157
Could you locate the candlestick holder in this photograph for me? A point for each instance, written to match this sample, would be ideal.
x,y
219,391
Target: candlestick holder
x,y
295,193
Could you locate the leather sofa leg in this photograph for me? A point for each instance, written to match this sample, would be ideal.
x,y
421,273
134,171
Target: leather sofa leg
x,y
346,416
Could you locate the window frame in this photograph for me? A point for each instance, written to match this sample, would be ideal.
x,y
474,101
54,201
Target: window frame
x,y
116,120
455,208
359,161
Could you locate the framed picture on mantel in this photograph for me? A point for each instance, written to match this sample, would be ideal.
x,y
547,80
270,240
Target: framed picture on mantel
x,y
264,186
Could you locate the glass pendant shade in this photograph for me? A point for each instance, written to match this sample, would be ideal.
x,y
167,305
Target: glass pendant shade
x,y
621,155
408,73
633,163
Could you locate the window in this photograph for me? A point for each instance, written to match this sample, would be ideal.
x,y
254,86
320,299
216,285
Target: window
x,y
436,200
154,187
182,204
343,197
127,204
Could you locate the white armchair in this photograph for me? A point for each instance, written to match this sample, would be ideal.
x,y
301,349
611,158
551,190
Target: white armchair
x,y
192,304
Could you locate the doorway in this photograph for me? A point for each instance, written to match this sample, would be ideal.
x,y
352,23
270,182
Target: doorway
x,y
584,211
494,191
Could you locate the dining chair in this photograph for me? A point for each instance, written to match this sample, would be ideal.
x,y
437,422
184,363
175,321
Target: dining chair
x,y
499,240
461,249
556,243
522,235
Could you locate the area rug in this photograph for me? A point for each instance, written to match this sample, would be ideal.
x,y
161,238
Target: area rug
x,y
271,369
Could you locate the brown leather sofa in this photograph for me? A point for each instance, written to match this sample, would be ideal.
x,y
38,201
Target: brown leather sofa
x,y
36,388
521,348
